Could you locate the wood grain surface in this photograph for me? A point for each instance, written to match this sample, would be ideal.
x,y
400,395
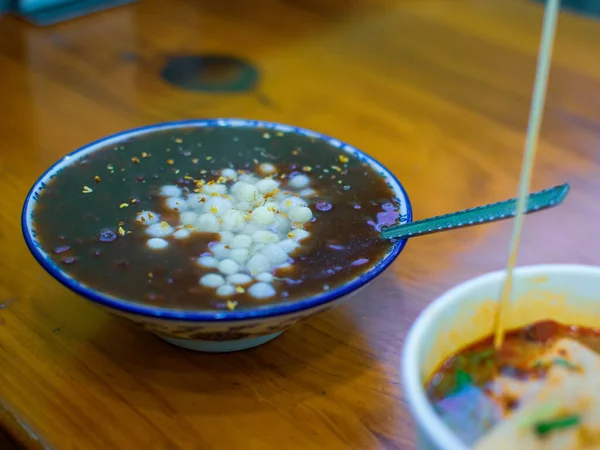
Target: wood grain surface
x,y
438,90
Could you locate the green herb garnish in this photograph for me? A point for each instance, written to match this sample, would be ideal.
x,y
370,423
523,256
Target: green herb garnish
x,y
565,363
545,427
463,379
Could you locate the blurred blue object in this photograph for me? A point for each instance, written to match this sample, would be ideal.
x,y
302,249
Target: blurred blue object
x,y
49,12
589,8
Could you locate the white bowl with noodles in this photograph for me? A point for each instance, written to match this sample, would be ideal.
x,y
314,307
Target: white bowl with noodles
x,y
567,294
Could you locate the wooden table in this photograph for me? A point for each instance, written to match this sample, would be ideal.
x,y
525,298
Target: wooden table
x,y
437,90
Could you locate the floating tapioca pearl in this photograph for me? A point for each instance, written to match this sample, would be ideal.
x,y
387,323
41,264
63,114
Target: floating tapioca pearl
x,y
267,168
239,279
258,263
241,241
181,234
300,214
263,216
239,255
170,191
275,254
261,290
226,290
208,261
157,243
208,223
212,280
299,181
159,230
265,277
188,218
267,186
229,173
176,204
228,266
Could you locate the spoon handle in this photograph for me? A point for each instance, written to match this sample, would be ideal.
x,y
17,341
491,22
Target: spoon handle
x,y
475,216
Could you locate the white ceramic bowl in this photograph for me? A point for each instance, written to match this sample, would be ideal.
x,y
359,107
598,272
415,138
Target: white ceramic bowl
x,y
217,330
568,294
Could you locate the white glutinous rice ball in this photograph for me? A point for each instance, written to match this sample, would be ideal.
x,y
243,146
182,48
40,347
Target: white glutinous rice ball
x,y
217,206
148,218
239,279
244,206
220,251
157,243
208,223
289,245
232,220
226,290
196,201
258,263
265,277
170,191
214,188
272,206
256,248
188,218
239,255
300,214
282,225
263,216
267,186
307,193
248,178
291,202
176,204
248,193
212,280
228,267
299,181
275,254
267,168
158,230
208,261
261,290
264,237
181,234
241,241
229,173
299,234
226,237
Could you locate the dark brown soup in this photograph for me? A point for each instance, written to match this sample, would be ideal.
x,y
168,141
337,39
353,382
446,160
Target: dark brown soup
x,y
462,389
88,216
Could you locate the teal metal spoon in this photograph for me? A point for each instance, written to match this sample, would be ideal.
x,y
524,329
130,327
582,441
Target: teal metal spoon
x,y
476,216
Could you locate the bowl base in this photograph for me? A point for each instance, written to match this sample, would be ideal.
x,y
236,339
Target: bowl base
x,y
220,346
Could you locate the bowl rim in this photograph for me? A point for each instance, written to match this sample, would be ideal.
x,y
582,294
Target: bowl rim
x,y
422,411
265,311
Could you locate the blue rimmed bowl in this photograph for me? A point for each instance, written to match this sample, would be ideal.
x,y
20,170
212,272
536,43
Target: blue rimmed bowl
x,y
208,330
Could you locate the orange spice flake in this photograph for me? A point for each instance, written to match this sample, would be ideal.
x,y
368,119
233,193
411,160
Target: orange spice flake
x,y
208,158
307,168
87,190
150,215
124,205
164,225
170,162
121,231
135,160
343,159
145,155
240,290
150,275
294,152
97,179
195,160
121,223
187,177
179,141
